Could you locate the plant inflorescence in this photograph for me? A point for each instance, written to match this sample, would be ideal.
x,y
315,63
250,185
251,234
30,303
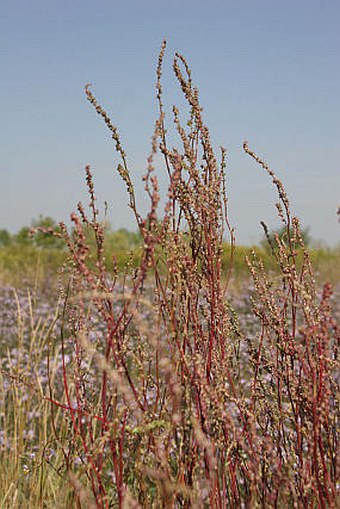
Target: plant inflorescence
x,y
173,402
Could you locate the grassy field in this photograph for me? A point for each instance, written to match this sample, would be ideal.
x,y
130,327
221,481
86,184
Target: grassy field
x,y
168,369
21,265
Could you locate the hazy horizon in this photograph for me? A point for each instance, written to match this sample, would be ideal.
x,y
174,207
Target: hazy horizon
x,y
266,73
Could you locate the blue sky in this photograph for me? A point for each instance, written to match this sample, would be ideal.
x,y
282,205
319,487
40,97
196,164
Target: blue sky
x,y
267,71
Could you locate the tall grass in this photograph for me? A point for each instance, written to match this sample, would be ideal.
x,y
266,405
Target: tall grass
x,y
168,399
29,455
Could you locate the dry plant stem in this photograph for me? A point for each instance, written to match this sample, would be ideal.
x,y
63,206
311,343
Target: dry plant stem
x,y
172,406
123,170
303,357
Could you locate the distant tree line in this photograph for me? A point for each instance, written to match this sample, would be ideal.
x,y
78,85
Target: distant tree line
x,y
119,240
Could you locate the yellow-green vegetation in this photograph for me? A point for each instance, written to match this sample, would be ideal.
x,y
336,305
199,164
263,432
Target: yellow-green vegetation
x,y
32,433
23,260
26,259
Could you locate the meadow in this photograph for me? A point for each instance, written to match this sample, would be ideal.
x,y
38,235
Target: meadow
x,y
169,368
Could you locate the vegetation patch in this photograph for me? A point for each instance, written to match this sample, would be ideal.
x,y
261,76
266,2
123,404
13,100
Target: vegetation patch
x,y
161,376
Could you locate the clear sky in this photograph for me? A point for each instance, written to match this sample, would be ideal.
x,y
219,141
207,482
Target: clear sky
x,y
268,72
